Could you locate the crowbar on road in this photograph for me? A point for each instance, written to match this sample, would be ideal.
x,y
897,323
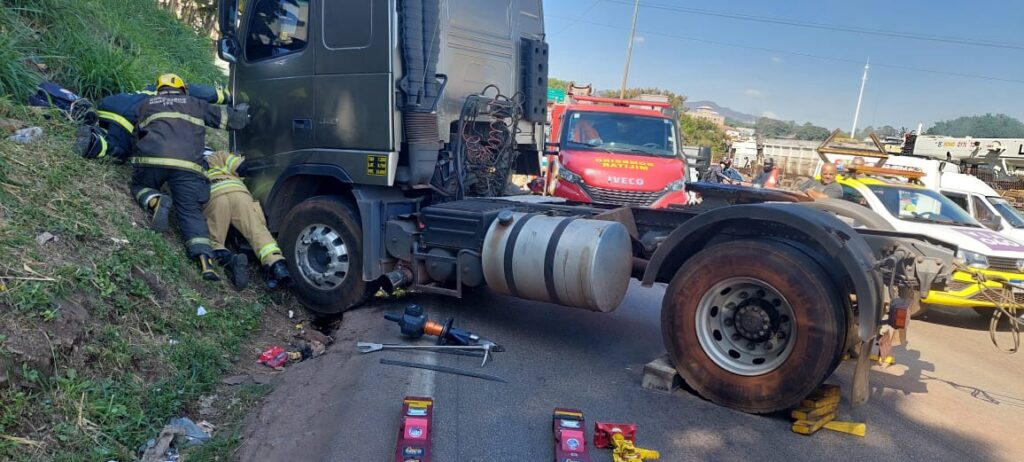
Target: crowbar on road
x,y
445,369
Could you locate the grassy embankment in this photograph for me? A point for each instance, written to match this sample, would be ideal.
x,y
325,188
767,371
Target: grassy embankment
x,y
99,339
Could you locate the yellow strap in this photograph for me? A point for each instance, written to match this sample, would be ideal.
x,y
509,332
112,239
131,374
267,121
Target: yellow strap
x,y
267,250
116,118
165,162
220,95
174,115
226,183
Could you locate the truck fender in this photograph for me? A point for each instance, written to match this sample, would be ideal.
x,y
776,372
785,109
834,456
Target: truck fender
x,y
841,244
286,192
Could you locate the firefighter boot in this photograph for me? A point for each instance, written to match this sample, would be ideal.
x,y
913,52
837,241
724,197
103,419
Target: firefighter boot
x,y
206,268
161,208
278,275
235,265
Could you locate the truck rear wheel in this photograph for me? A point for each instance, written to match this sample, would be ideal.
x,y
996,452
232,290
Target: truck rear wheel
x,y
753,325
323,243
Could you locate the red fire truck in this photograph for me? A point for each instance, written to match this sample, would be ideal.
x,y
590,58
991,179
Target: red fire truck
x,y
616,151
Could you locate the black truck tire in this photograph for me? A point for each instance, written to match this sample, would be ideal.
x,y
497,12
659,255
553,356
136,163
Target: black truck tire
x,y
322,241
753,325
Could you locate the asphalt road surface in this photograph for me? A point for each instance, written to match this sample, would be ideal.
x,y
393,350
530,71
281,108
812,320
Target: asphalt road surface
x,y
952,395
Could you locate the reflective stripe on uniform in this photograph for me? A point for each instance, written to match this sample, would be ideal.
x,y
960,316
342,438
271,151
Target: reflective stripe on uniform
x,y
225,184
116,118
215,171
223,118
174,115
267,250
231,163
103,147
220,95
144,191
197,241
165,162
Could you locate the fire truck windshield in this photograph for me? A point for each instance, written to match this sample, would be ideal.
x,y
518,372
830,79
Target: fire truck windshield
x,y
620,133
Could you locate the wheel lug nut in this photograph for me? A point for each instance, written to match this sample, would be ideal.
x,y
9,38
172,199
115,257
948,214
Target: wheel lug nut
x,y
729,322
760,294
730,305
768,346
744,295
750,346
735,337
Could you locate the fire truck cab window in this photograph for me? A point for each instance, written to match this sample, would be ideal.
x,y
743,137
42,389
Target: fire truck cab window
x,y
277,28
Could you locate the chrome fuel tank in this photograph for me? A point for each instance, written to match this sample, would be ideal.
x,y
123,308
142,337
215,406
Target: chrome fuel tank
x,y
569,261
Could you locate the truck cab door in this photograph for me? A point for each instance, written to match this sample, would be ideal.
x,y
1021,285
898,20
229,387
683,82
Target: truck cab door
x,y
355,88
274,75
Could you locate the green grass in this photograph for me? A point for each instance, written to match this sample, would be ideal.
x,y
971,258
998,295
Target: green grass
x,y
97,47
143,355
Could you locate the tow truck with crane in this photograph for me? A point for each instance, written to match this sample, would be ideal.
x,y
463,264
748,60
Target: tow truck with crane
x,y
383,134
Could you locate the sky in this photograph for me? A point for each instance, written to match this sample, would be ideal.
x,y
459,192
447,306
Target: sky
x,y
761,58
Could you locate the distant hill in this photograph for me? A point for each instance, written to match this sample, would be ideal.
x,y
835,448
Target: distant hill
x,y
728,113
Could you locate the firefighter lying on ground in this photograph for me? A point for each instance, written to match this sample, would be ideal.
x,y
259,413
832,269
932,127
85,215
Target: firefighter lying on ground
x,y
169,141
231,204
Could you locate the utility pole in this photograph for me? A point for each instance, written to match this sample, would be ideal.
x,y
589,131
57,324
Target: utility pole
x,y
856,114
629,50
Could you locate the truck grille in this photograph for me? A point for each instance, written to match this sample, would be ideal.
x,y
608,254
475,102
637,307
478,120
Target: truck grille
x,y
993,294
1003,264
613,196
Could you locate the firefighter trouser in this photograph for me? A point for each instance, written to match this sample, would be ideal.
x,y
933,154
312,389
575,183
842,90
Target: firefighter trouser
x,y
189,191
239,209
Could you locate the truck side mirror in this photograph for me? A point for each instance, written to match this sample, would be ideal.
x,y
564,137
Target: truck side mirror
x,y
227,49
552,149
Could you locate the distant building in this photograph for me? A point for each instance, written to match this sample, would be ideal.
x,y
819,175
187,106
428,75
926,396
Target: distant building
x,y
709,114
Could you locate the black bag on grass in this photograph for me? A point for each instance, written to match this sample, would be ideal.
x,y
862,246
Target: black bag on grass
x,y
50,94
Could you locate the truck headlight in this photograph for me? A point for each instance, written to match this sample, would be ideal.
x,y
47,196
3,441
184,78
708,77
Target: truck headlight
x,y
972,259
677,185
568,175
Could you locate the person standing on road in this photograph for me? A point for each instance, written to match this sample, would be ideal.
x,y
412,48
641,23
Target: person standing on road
x,y
170,139
231,204
769,176
826,187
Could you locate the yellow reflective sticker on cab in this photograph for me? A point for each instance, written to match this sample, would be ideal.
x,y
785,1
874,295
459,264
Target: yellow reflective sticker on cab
x,y
376,165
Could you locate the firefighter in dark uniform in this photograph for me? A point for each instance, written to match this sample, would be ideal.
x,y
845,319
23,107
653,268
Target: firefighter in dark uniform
x,y
232,205
170,137
112,135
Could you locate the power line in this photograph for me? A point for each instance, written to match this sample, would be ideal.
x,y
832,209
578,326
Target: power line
x,y
830,27
797,53
575,21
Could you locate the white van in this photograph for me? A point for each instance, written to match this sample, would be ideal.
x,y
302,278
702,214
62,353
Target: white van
x,y
973,195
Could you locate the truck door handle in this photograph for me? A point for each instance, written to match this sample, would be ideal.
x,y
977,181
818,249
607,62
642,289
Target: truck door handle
x,y
302,124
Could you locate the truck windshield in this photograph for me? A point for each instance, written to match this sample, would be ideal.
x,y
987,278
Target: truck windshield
x,y
1007,211
922,205
621,133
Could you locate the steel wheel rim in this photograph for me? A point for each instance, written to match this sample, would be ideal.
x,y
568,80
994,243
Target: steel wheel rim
x,y
321,257
745,326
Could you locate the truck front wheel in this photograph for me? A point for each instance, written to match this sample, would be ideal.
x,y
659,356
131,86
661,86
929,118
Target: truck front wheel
x,y
323,243
753,325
